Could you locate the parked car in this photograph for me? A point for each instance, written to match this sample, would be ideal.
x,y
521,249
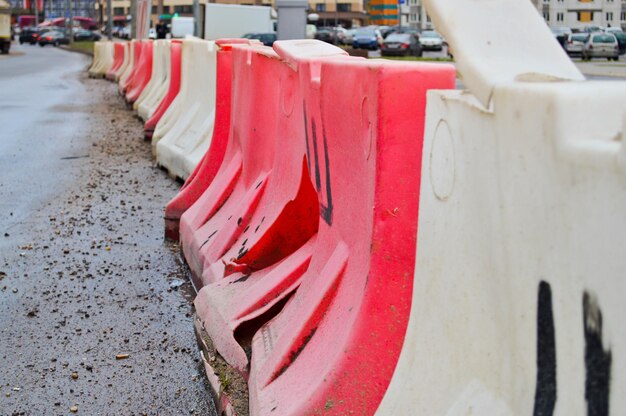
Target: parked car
x,y
267,39
561,33
385,31
340,33
410,30
593,29
327,34
31,35
601,45
431,41
367,38
614,30
349,36
54,37
401,44
83,34
400,29
28,35
621,41
311,30
576,43
122,32
557,30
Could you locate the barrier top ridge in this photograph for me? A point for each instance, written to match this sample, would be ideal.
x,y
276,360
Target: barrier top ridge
x,y
499,42
293,51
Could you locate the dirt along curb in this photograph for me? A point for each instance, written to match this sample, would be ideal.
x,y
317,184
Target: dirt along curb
x,y
228,388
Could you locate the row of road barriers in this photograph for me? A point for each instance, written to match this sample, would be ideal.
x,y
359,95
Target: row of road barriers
x,y
364,239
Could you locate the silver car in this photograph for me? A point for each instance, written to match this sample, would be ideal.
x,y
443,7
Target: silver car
x,y
431,41
601,45
575,43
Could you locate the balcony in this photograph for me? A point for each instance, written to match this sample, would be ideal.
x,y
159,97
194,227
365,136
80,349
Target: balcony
x,y
585,6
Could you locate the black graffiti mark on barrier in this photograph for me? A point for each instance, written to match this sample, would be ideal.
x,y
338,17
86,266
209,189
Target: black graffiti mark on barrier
x,y
545,393
597,360
326,210
306,138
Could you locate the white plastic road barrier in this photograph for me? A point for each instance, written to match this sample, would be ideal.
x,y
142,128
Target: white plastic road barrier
x,y
177,106
102,59
488,50
156,89
189,137
518,301
97,52
129,63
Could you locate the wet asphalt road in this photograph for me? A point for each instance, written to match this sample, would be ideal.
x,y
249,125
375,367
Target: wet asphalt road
x,y
84,272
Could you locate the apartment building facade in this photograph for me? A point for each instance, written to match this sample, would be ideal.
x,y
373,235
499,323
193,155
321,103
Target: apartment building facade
x,y
577,14
417,17
346,13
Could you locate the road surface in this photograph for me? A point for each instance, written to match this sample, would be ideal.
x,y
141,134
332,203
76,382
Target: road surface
x,y
95,311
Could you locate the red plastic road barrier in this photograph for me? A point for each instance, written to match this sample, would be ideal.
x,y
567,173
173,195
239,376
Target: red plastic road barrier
x,y
123,86
143,74
257,210
172,92
205,171
118,60
267,225
334,346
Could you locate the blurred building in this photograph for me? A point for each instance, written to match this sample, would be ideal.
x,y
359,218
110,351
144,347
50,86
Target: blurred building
x,y
577,14
347,13
56,8
417,17
52,9
571,13
383,12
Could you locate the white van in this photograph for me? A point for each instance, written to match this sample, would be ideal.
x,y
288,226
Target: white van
x,y
182,26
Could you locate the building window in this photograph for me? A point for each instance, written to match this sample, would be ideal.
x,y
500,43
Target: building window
x,y
320,7
609,16
546,16
559,17
344,7
118,11
183,9
623,16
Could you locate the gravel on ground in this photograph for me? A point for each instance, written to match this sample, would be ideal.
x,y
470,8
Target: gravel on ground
x,y
95,307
